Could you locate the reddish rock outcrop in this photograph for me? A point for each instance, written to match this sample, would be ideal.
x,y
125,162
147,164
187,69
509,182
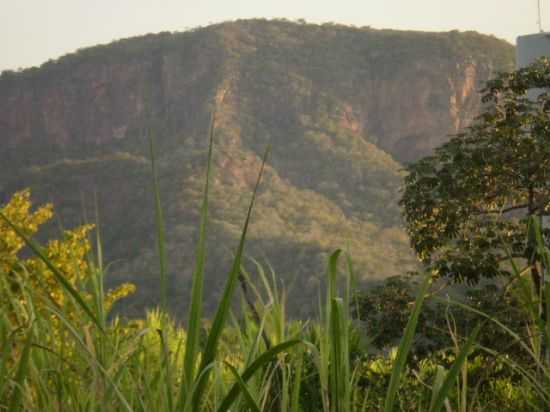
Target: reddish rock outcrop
x,y
406,104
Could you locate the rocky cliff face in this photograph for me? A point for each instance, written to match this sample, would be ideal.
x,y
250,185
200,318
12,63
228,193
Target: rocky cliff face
x,y
102,98
341,107
405,91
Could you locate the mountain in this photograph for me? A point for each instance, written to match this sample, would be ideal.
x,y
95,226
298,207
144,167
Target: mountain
x,y
342,108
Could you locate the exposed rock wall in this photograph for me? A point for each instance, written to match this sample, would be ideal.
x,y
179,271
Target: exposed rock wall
x,y
407,104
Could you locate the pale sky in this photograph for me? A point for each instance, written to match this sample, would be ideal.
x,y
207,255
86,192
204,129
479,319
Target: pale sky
x,y
33,31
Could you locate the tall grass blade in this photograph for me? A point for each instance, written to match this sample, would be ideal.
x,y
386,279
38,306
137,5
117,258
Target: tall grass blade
x,y
511,333
18,382
405,346
536,383
92,358
99,273
452,374
436,386
332,275
225,303
188,404
161,244
338,354
264,359
5,355
166,367
295,394
252,404
99,246
161,231
195,310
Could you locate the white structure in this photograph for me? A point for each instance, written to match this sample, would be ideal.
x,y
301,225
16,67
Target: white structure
x,y
530,48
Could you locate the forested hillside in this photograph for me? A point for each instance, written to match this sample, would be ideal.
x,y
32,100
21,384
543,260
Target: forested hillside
x,y
342,109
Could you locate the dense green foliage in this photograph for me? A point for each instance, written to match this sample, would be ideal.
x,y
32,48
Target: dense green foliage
x,y
469,205
70,356
384,310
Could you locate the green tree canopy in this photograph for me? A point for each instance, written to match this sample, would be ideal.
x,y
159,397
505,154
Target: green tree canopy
x,y
467,207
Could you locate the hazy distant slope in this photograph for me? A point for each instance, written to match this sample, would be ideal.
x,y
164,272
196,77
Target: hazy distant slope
x,y
339,106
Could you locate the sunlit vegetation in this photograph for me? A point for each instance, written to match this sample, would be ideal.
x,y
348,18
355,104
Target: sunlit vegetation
x,y
60,348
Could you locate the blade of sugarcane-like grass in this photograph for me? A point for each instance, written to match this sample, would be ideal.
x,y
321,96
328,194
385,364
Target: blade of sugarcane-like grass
x,y
452,374
332,274
534,381
161,230
351,282
57,274
195,310
346,367
544,253
255,347
98,265
337,337
284,392
263,360
95,276
405,346
324,365
222,311
93,360
5,352
252,404
7,335
264,281
525,290
22,369
437,383
165,366
124,361
256,326
188,405
506,329
296,387
274,309
161,244
532,305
